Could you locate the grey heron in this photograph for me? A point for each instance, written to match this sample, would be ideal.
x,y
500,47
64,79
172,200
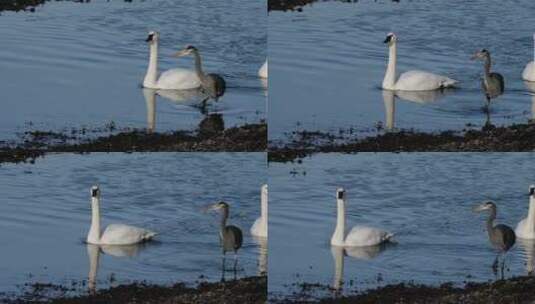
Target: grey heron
x,y
492,83
230,236
211,84
501,236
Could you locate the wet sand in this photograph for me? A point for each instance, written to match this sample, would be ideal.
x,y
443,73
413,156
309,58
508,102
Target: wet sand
x,y
515,138
247,290
33,144
516,290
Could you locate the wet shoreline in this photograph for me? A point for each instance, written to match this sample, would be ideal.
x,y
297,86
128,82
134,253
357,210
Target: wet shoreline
x,y
245,290
514,290
245,138
514,138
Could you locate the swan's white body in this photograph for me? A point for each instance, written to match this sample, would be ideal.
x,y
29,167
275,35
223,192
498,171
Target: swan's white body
x,y
412,80
526,227
359,236
173,79
529,71
263,71
114,234
260,226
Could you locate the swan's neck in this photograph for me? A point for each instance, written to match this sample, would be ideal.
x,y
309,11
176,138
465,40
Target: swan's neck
x,y
198,65
93,237
531,214
390,76
264,209
534,50
338,236
152,71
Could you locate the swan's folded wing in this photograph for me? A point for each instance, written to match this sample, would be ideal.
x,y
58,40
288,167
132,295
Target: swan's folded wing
x,y
366,236
422,81
178,79
119,234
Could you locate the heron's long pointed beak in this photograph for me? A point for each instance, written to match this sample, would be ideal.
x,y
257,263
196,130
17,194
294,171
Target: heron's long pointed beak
x,y
479,208
475,56
180,53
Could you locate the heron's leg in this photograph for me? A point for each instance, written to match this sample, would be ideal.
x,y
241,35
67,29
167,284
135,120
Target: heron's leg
x,y
223,269
495,265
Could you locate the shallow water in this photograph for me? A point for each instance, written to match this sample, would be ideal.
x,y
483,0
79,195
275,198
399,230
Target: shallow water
x,y
45,215
425,199
70,65
327,64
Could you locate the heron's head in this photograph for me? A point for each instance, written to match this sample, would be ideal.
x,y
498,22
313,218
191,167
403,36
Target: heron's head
x,y
95,192
481,54
340,194
485,206
152,37
391,38
189,49
220,205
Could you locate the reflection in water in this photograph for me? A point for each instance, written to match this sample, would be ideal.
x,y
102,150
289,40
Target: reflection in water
x,y
528,248
262,254
361,253
264,82
212,123
93,252
413,96
530,85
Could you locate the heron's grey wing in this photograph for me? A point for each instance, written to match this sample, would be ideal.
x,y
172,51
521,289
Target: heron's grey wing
x,y
237,237
505,235
500,81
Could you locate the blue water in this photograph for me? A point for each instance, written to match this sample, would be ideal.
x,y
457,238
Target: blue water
x,y
45,216
426,199
72,65
327,64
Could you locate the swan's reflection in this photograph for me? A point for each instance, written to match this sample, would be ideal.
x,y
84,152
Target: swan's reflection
x,y
211,122
264,82
362,253
422,97
262,254
93,253
528,247
530,86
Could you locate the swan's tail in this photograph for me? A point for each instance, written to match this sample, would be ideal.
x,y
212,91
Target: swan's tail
x,y
149,235
449,83
389,237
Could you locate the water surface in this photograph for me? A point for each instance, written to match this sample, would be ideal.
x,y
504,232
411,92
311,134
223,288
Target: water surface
x,y
424,198
327,64
45,216
70,65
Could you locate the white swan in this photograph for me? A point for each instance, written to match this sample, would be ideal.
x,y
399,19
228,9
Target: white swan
x,y
173,79
412,80
263,71
529,71
115,234
260,226
526,227
359,236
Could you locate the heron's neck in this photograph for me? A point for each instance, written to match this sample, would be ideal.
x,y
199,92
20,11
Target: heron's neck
x,y
152,71
390,75
487,66
224,217
338,236
264,208
93,237
531,214
490,220
198,65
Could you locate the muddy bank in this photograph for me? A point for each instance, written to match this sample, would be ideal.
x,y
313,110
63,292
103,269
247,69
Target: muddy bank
x,y
19,5
515,138
247,290
516,290
246,138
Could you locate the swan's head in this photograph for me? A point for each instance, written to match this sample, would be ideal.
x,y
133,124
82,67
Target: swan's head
x,y
391,38
95,192
481,54
340,194
531,190
484,206
152,37
189,49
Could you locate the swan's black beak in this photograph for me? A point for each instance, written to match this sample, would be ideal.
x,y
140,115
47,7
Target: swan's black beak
x,y
531,191
149,38
388,39
94,192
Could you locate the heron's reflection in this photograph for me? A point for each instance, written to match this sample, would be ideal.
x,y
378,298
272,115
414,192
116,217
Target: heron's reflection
x,y
262,254
211,122
361,253
422,97
93,253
